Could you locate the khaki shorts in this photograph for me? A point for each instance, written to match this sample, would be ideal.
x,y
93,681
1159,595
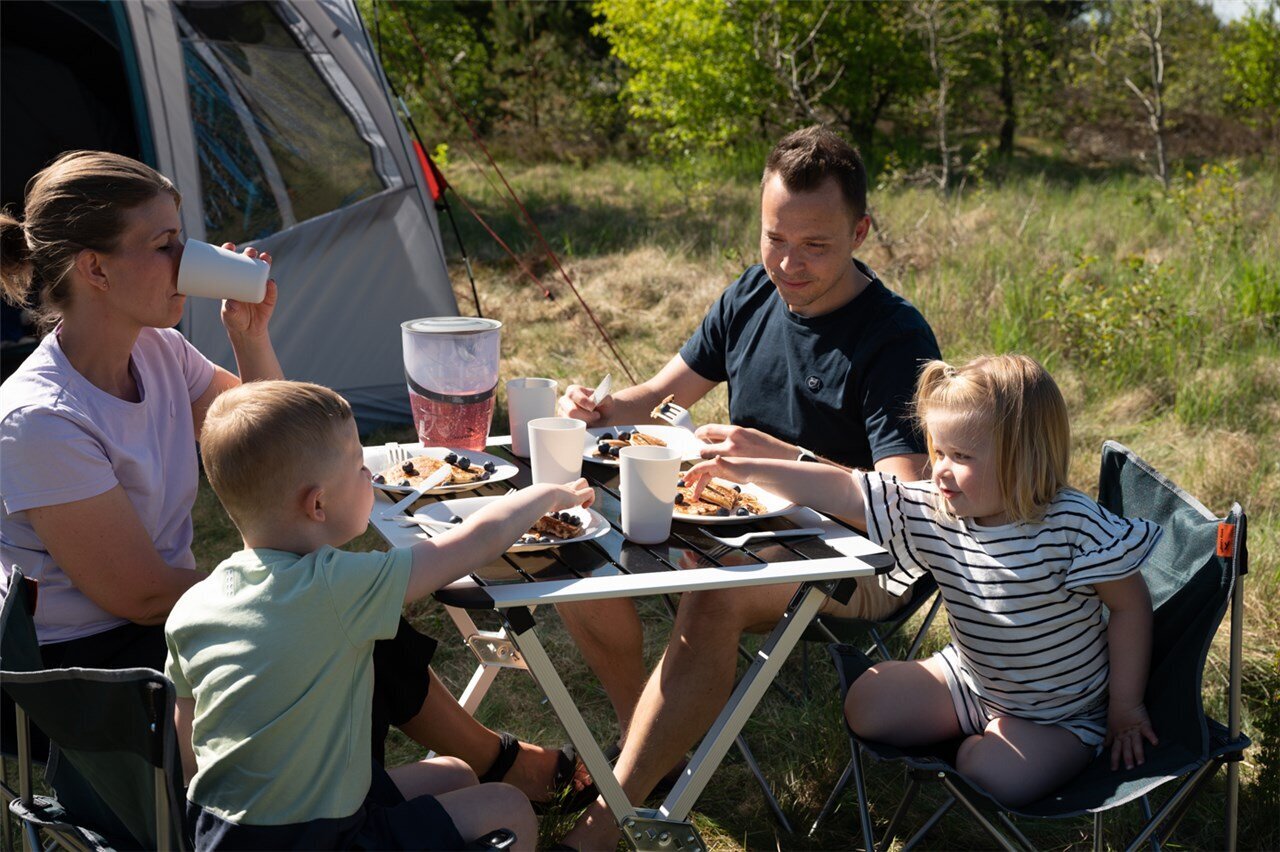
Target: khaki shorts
x,y
869,601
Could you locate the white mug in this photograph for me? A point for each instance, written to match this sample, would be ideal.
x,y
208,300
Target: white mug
x,y
528,399
555,449
648,491
216,273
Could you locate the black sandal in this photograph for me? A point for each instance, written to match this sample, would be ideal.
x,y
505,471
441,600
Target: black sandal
x,y
566,793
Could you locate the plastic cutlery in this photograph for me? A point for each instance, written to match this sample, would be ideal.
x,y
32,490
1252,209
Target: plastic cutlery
x,y
739,540
603,389
427,484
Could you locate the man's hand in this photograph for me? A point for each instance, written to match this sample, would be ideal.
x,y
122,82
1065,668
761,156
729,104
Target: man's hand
x,y
1126,729
740,441
576,403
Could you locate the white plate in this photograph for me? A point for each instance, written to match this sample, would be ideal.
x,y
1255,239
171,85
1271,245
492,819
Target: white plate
x,y
375,458
772,503
680,439
594,525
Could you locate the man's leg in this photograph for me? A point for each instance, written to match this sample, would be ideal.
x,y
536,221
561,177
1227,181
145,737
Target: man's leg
x,y
684,695
611,639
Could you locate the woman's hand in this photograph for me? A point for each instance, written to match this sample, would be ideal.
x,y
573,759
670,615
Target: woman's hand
x,y
245,319
1127,727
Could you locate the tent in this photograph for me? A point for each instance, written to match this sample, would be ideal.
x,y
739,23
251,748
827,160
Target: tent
x,y
275,121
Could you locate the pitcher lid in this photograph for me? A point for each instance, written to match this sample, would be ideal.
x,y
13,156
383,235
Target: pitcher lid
x,y
450,325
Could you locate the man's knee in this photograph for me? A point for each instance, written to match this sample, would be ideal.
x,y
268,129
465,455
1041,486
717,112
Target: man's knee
x,y
717,612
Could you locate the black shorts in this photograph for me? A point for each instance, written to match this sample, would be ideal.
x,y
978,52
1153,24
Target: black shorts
x,y
385,821
400,682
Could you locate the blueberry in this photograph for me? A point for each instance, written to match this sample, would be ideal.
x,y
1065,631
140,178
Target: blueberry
x,y
679,499
722,512
602,448
611,451
738,488
542,539
451,458
380,479
404,483
408,468
607,436
572,520
484,476
490,466
454,519
741,510
680,484
624,436
464,463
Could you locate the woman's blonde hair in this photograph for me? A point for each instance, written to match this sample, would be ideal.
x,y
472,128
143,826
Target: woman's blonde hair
x,y
1017,399
77,202
262,440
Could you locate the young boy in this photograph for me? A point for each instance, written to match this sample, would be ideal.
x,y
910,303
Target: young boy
x,y
271,655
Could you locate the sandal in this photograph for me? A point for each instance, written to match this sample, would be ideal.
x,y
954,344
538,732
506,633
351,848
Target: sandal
x,y
568,788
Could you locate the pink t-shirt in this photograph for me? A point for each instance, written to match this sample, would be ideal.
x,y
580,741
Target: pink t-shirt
x,y
63,439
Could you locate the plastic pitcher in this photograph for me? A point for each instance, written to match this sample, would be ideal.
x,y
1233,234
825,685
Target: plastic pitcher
x,y
451,366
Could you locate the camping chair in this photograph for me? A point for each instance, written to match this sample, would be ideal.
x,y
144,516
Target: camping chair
x,y
113,761
1195,570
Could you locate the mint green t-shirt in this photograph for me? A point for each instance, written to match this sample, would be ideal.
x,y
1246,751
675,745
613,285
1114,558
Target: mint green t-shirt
x,y
277,651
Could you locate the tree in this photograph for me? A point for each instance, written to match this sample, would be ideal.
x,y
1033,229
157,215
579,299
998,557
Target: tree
x,y
1253,66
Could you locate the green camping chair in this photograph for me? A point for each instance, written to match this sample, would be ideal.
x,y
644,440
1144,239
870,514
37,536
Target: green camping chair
x,y
113,758
1196,569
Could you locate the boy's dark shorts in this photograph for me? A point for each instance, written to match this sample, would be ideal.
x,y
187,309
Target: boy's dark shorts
x,y
385,821
400,682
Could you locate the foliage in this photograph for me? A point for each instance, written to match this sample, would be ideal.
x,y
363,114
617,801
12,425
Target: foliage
x,y
1253,64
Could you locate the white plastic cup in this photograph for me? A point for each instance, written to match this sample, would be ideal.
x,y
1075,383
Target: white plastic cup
x,y
216,273
648,489
528,399
555,449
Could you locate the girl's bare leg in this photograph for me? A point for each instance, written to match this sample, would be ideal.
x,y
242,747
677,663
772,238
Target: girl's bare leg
x,y
902,703
1019,761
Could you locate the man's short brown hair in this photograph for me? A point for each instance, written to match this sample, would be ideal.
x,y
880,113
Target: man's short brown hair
x,y
262,440
806,158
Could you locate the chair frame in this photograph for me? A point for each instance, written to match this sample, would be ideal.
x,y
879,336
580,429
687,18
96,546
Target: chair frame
x,y
1158,825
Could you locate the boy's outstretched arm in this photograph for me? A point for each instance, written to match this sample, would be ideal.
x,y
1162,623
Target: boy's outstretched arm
x,y
487,534
1129,650
829,489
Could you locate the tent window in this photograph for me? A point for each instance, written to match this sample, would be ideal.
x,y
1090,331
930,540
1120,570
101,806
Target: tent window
x,y
277,143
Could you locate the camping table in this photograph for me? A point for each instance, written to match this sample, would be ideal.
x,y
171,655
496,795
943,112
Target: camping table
x,y
611,567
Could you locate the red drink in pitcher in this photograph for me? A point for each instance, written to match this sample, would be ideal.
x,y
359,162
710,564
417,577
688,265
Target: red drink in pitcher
x,y
451,369
451,422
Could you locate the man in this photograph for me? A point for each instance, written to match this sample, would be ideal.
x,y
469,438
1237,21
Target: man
x,y
821,360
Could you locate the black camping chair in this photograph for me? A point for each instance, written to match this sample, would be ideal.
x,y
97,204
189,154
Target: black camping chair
x,y
113,758
1196,569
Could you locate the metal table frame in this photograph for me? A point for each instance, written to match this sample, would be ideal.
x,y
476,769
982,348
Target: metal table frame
x,y
518,646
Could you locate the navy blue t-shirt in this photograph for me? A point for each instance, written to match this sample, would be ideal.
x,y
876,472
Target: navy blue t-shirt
x,y
839,384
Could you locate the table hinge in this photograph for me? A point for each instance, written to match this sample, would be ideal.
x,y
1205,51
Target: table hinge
x,y
495,649
654,834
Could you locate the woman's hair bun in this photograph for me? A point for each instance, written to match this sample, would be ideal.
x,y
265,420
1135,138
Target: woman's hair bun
x,y
15,260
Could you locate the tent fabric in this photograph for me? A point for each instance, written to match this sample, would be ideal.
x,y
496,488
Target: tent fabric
x,y
349,273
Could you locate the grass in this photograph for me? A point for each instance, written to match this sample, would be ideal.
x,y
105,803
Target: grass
x,y
1159,315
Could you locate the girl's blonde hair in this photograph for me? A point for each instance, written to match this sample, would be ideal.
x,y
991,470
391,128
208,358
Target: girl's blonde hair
x,y
77,202
1017,399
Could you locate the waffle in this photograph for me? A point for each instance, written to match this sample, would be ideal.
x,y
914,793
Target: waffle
x,y
557,525
659,411
719,498
632,439
410,474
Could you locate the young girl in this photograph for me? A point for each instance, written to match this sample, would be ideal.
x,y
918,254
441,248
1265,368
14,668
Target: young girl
x,y
1037,677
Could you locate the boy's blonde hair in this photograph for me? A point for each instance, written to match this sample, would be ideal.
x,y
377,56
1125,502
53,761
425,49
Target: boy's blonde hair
x,y
1017,399
262,440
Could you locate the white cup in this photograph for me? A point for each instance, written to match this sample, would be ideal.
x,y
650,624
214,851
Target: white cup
x,y
648,489
555,449
528,399
216,273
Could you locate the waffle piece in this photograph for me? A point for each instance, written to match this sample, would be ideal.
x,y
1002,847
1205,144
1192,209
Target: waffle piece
x,y
659,409
719,499
557,525
411,473
607,448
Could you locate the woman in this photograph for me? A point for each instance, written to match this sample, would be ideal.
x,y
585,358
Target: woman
x,y
98,430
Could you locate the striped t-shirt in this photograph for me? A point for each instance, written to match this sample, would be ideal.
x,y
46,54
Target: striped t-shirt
x,y
1029,629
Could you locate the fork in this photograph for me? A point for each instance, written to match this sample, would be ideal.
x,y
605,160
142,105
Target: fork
x,y
675,414
416,493
602,390
396,454
739,540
